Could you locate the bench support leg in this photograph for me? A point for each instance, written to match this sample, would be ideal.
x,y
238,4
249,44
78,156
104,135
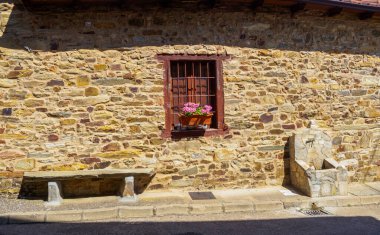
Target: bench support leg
x,y
127,190
54,194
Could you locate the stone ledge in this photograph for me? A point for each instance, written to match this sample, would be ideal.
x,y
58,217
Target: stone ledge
x,y
238,207
268,205
63,216
124,212
370,200
100,214
196,209
135,211
172,210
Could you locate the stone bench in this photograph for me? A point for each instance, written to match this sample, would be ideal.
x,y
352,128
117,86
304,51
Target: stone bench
x,y
127,179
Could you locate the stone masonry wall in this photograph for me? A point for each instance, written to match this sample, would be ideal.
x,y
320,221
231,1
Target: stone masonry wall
x,y
84,90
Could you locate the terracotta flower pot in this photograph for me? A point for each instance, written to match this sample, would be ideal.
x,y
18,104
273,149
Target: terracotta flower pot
x,y
195,120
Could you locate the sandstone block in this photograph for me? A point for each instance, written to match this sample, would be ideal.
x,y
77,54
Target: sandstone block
x,y
296,203
348,201
83,81
268,205
238,207
189,171
91,100
223,155
63,216
13,136
101,115
138,211
92,91
111,82
370,200
33,84
19,73
112,147
17,94
7,83
26,164
174,209
372,113
11,153
59,114
100,67
127,153
34,102
100,214
198,209
68,122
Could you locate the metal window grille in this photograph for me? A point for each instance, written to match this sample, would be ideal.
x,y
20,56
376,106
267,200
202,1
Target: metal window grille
x,y
192,81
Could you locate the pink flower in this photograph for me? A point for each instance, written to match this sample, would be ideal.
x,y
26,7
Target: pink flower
x,y
190,108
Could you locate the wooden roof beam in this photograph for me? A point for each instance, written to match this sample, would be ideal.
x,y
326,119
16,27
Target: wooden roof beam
x,y
256,4
299,6
333,11
365,15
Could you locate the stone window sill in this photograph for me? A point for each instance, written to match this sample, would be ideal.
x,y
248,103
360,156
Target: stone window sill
x,y
179,134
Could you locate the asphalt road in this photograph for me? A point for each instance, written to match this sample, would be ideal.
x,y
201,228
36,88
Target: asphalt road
x,y
355,221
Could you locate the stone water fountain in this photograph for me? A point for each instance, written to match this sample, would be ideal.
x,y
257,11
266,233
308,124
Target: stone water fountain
x,y
313,170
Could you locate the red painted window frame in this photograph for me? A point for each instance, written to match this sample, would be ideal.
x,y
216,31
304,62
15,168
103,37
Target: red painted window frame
x,y
221,126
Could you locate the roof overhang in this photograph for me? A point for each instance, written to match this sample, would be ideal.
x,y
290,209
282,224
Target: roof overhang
x,y
358,5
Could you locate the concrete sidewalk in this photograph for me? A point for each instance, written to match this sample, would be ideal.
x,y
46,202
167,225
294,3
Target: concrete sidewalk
x,y
180,203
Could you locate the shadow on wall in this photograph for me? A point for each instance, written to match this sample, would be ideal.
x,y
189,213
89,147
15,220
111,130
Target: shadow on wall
x,y
316,225
119,28
286,159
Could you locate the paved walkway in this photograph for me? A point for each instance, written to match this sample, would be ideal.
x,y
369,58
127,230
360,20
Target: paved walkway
x,y
153,204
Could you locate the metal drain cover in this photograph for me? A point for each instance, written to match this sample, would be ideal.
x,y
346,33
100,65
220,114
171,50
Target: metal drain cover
x,y
201,195
316,212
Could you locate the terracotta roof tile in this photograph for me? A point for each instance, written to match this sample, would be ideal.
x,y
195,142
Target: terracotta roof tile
x,y
375,3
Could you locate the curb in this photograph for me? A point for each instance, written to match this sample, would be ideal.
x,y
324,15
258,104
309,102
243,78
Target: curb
x,y
125,212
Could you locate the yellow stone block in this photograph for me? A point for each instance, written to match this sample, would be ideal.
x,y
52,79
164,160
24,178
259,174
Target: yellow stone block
x,y
34,102
92,91
100,67
13,136
372,113
70,167
280,100
313,80
68,121
264,52
8,103
83,81
317,86
107,128
127,153
23,112
335,87
364,103
102,115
